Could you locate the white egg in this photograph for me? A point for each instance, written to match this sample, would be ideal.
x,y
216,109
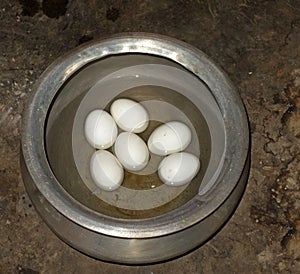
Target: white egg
x,y
106,170
178,169
100,129
169,138
130,115
131,151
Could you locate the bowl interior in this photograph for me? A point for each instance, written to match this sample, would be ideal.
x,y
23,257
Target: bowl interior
x,y
169,92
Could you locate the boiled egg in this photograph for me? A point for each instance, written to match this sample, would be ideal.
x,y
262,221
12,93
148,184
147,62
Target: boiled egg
x,y
130,115
131,151
100,129
178,169
106,171
170,137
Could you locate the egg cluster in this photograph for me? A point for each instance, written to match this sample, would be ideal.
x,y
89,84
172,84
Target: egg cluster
x,y
131,152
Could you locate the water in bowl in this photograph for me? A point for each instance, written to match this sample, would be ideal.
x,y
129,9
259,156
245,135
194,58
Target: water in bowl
x,y
142,195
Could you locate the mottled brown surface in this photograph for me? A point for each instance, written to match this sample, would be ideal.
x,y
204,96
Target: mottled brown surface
x,y
256,43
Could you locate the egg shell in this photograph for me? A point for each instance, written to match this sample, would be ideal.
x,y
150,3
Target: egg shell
x,y
106,171
100,129
130,115
170,137
131,151
178,169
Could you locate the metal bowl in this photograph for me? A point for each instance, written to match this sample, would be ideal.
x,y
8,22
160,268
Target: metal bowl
x,y
52,143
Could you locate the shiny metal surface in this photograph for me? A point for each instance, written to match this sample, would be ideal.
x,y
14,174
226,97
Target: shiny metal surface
x,y
138,240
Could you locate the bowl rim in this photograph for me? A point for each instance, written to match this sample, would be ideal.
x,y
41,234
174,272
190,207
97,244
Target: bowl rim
x,y
193,60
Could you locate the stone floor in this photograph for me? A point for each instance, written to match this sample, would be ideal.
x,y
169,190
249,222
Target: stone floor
x,y
255,42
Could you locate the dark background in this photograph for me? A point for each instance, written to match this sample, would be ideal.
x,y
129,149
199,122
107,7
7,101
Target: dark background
x,y
255,42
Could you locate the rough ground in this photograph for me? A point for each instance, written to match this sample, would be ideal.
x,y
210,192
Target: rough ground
x,y
256,43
